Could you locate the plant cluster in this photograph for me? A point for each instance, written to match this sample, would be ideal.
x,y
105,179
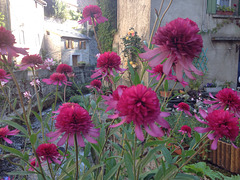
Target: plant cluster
x,y
225,8
132,44
117,135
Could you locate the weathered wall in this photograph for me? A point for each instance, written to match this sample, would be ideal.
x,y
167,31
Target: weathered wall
x,y
222,56
52,45
131,14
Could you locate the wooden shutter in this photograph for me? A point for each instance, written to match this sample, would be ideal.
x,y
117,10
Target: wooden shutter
x,y
238,7
84,44
211,6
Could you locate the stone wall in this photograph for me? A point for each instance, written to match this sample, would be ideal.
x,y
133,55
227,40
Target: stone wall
x,y
24,78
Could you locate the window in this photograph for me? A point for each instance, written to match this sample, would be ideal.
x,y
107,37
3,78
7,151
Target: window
x,y
69,44
228,5
82,44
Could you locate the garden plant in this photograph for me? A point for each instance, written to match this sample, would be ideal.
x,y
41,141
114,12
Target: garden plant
x,y
136,140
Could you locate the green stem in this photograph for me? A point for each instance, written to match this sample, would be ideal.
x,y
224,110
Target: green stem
x,y
155,24
55,103
160,82
176,124
76,151
94,30
165,13
64,94
39,104
123,144
169,95
134,158
50,170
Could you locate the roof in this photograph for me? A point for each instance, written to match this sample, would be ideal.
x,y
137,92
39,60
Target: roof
x,y
42,2
64,30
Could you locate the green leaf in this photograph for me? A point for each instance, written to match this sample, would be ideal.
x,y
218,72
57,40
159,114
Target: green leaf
x,y
131,70
168,174
96,148
33,138
37,116
129,164
101,138
11,150
84,176
87,149
181,176
112,172
93,104
16,125
166,154
22,173
67,171
136,78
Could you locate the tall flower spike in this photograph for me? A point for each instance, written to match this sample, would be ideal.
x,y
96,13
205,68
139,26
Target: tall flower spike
x,y
92,11
4,77
226,98
140,105
7,41
222,123
57,79
178,42
73,119
4,132
48,152
106,63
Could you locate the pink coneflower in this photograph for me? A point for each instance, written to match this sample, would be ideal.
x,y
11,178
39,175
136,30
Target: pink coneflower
x,y
140,105
106,63
157,71
33,61
64,69
4,76
71,75
48,63
221,122
183,107
48,152
7,40
27,94
178,42
6,132
112,100
95,84
186,129
57,79
73,119
226,98
37,82
34,163
92,11
235,5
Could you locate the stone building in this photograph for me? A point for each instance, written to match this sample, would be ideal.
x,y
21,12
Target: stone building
x,y
25,19
64,44
221,33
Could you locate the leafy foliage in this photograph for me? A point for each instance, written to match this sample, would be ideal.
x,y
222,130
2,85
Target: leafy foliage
x,y
106,31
